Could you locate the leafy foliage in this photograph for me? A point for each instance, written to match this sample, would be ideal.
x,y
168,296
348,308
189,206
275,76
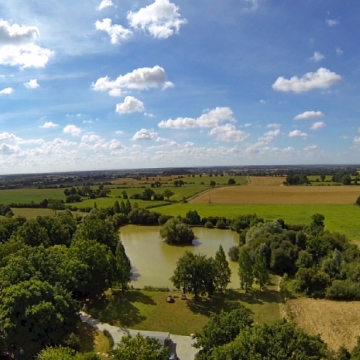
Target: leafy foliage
x,y
175,232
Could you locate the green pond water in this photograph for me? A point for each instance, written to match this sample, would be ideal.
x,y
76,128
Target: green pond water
x,y
154,261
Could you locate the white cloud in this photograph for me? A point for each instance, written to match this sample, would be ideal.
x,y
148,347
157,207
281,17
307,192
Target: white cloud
x,y
273,126
317,56
49,125
17,34
26,56
273,133
6,149
139,79
356,140
115,92
90,138
104,4
317,125
161,19
209,119
321,79
149,115
228,132
332,22
7,91
9,136
339,51
117,33
32,141
298,133
72,129
130,105
144,134
247,125
311,148
309,115
119,132
32,84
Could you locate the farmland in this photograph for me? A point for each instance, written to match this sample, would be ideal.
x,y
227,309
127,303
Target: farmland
x,y
336,322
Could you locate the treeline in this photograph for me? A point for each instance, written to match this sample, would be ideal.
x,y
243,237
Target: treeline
x,y
48,267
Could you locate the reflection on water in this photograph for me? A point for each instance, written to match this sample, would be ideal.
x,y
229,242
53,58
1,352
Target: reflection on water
x,y
154,261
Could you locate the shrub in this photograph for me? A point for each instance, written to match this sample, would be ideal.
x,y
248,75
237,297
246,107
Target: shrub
x,y
108,335
209,225
234,253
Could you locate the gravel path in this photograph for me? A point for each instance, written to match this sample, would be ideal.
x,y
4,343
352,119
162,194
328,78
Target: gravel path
x,y
184,349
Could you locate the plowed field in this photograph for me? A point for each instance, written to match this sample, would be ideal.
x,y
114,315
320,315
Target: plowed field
x,y
269,190
336,322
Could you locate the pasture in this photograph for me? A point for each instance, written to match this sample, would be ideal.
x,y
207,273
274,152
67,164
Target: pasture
x,y
336,322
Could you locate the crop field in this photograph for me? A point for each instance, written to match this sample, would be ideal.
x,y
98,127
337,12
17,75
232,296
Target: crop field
x,y
336,322
269,190
26,195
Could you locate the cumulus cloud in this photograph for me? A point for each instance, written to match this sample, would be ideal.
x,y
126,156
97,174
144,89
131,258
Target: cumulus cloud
x,y
90,138
228,132
130,105
138,79
332,22
104,4
72,130
298,133
6,149
32,84
161,19
309,115
356,140
18,46
321,79
317,125
17,34
144,134
7,91
9,136
317,56
49,125
254,4
117,33
210,119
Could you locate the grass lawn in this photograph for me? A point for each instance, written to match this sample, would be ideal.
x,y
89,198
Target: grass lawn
x,y
342,218
148,310
26,195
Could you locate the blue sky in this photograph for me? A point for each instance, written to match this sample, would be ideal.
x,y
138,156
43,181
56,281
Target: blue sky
x,y
121,84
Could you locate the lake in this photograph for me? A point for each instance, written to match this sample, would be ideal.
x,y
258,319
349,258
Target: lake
x,y
154,261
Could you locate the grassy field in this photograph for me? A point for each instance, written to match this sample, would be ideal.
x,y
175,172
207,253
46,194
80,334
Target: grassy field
x,y
27,195
340,218
148,310
336,322
33,213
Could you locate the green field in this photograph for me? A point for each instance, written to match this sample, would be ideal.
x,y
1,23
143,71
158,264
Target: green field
x,y
340,218
27,195
148,310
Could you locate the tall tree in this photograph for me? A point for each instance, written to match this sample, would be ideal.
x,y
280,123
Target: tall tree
x,y
222,270
117,207
168,194
139,348
34,315
123,267
175,232
246,272
64,353
261,272
194,274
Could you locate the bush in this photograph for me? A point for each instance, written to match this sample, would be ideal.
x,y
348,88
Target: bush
x,y
209,225
234,253
357,202
221,224
342,290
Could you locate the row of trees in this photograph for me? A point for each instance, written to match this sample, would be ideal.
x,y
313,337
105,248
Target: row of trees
x,y
48,267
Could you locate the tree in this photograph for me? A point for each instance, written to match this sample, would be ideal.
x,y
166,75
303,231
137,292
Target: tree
x,y
261,273
123,266
117,209
55,204
246,272
193,217
33,234
222,328
179,183
281,341
139,348
231,182
212,183
194,274
147,194
34,315
234,253
168,194
222,270
175,232
357,202
64,353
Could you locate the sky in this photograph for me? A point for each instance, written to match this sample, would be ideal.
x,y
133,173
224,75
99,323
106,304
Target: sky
x,y
118,84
